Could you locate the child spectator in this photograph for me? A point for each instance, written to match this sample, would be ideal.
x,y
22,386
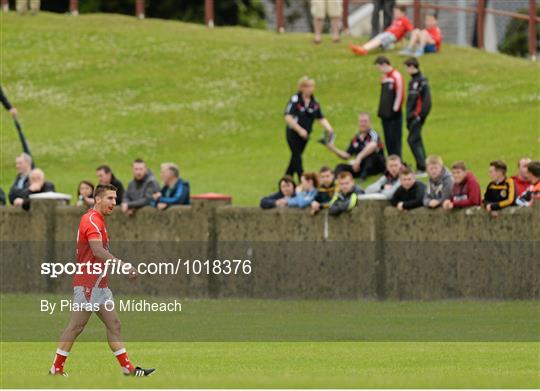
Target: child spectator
x,y
440,183
400,26
532,194
306,192
280,198
325,191
410,194
85,194
175,191
427,40
140,189
37,184
387,184
106,177
466,190
346,198
521,179
501,191
366,148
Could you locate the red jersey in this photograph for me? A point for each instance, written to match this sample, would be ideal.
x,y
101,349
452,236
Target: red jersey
x,y
92,226
522,185
436,35
400,27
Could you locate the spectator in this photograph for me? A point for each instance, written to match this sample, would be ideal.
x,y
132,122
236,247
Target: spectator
x,y
426,41
106,177
319,10
501,191
2,197
306,192
325,191
346,198
22,6
387,7
400,26
23,165
418,108
85,194
410,194
466,190
532,194
521,179
365,148
140,189
175,190
300,113
37,184
388,183
5,102
440,183
281,198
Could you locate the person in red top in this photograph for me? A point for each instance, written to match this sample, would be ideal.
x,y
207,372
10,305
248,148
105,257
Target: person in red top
x,y
466,190
427,40
400,26
522,180
532,194
91,293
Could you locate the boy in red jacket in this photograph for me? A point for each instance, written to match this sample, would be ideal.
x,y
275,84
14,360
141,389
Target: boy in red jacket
x,y
466,191
522,178
400,26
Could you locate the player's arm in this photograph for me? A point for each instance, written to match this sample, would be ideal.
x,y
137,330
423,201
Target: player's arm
x,y
96,245
341,154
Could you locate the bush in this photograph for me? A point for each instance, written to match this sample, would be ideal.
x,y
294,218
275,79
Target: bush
x,y
515,41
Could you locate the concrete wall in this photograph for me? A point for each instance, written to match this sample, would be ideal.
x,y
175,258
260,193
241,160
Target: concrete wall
x,y
372,252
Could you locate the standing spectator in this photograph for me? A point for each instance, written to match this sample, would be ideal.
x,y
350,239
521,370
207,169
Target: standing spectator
x,y
501,191
325,191
281,198
366,148
306,192
140,189
37,184
175,190
85,194
521,179
300,113
440,183
388,183
426,41
319,10
23,165
532,194
390,104
346,198
2,197
418,108
23,6
410,194
466,190
387,7
400,26
106,177
5,102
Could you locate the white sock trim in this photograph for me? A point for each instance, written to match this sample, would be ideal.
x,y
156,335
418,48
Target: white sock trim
x,y
62,352
120,351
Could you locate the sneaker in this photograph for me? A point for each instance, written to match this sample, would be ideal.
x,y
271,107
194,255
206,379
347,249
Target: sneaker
x,y
358,50
141,372
327,139
418,53
420,174
406,52
58,373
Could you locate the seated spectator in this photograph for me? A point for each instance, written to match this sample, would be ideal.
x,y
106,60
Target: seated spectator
x,y
325,191
140,189
424,41
23,165
85,194
106,177
2,197
532,194
36,184
501,191
387,184
466,190
521,178
400,26
281,198
440,183
175,190
366,148
306,192
410,194
346,198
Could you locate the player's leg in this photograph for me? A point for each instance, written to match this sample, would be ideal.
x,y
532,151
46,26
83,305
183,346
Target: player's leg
x,y
415,38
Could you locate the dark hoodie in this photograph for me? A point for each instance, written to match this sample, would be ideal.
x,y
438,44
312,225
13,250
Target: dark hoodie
x,y
467,193
269,202
139,192
344,202
440,188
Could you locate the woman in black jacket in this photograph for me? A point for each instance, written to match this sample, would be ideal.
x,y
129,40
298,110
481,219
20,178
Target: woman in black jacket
x,y
279,199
